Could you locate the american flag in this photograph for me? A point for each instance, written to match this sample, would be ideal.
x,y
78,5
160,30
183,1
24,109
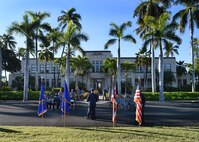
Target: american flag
x,y
113,97
138,101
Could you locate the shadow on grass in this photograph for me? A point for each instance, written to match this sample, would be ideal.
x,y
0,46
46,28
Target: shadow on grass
x,y
8,130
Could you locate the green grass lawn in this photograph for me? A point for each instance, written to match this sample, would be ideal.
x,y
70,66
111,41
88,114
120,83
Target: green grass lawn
x,y
90,134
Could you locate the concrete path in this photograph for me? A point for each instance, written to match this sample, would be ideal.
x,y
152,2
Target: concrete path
x,y
181,113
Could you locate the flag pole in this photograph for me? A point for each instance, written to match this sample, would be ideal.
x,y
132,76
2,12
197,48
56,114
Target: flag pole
x,y
42,116
64,113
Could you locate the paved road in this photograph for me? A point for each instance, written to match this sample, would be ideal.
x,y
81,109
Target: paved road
x,y
181,113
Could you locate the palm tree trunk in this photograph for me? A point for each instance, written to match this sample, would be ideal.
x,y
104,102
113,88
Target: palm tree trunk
x,y
118,70
61,57
126,84
55,83
26,73
0,67
161,74
67,76
153,77
36,64
192,51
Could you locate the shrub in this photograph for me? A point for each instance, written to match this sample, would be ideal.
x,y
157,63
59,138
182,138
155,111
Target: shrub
x,y
6,88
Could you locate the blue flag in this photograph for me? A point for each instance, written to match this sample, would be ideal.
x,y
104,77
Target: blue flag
x,y
42,102
65,100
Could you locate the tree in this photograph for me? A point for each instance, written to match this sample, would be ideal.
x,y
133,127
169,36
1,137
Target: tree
x,y
21,52
143,60
150,8
196,47
80,65
7,42
171,50
127,67
168,78
25,28
118,33
163,34
72,38
38,17
110,65
67,16
45,55
54,36
190,14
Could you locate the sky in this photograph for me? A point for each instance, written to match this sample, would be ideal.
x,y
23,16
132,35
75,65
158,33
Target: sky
x,y
96,18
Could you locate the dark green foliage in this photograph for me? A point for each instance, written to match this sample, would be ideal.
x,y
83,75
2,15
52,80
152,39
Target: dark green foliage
x,y
172,96
18,95
10,62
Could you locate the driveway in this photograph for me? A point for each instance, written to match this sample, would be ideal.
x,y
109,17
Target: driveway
x,y
176,113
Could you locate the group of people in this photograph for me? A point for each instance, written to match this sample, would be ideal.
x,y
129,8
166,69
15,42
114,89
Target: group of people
x,y
54,99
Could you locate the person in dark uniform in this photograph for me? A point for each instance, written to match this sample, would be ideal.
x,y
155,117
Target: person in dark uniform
x,y
92,99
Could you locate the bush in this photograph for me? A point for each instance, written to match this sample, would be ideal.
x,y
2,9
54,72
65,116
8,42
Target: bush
x,y
172,96
6,88
18,95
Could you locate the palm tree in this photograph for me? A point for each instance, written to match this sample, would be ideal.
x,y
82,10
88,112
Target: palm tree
x,y
7,42
171,50
25,28
80,65
72,38
143,60
21,52
110,65
150,8
190,14
38,16
196,48
118,33
180,69
45,55
54,36
163,33
67,16
127,66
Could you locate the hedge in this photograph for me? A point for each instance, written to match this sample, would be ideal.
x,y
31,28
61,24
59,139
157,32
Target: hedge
x,y
172,96
34,95
18,95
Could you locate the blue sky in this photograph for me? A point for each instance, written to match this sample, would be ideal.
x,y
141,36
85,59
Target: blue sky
x,y
96,18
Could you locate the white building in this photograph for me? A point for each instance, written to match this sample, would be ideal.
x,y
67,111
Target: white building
x,y
96,78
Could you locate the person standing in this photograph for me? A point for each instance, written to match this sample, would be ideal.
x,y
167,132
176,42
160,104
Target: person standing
x,y
92,99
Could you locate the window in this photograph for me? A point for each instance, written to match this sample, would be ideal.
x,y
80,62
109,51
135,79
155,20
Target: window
x,y
167,67
141,69
184,82
47,82
149,81
33,68
53,82
53,68
97,66
41,68
47,68
93,66
58,67
137,69
59,83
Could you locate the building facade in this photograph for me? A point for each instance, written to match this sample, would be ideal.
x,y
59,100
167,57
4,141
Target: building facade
x,y
95,78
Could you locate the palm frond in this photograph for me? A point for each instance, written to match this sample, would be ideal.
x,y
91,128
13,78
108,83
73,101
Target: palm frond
x,y
110,42
129,38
